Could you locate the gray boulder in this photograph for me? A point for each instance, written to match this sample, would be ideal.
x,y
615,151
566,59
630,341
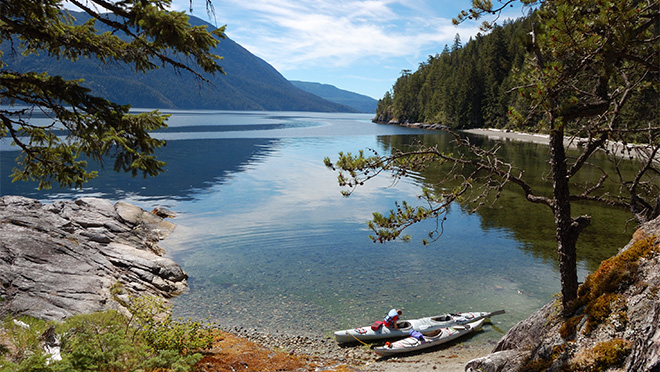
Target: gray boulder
x,y
501,361
62,259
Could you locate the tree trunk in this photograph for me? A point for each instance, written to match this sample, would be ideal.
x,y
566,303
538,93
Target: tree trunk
x,y
566,232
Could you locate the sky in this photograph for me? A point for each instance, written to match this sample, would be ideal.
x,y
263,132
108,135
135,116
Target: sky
x,y
356,45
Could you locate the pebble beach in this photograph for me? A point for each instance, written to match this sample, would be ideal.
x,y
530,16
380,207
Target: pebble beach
x,y
451,357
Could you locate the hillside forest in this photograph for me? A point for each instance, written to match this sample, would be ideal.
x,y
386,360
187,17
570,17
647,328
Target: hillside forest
x,y
478,84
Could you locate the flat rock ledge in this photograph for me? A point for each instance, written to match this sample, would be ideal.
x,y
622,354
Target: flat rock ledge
x,y
65,258
636,321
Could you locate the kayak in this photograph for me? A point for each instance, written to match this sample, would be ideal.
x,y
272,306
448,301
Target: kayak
x,y
422,324
428,339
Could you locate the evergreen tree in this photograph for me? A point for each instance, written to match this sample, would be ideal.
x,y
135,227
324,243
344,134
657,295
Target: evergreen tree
x,y
464,87
385,109
591,65
496,65
457,43
145,35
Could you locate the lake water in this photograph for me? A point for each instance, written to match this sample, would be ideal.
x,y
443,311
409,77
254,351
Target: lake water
x,y
269,242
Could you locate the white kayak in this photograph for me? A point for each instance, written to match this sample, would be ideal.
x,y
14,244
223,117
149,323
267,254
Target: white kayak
x,y
428,339
422,324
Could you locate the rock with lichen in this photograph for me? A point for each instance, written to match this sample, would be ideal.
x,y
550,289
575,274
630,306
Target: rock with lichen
x,y
614,325
69,257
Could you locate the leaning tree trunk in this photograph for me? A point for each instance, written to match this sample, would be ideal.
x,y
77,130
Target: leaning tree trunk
x,y
566,232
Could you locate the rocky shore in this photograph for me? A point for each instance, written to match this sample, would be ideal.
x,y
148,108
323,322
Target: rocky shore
x,y
66,258
307,345
615,325
449,358
69,257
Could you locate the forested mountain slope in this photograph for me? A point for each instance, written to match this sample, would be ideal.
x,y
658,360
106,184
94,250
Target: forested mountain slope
x,y
465,86
250,83
475,85
331,93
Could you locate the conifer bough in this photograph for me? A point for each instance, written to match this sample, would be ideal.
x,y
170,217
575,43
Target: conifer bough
x,y
81,126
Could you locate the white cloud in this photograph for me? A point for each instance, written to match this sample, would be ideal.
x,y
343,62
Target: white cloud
x,y
358,45
291,34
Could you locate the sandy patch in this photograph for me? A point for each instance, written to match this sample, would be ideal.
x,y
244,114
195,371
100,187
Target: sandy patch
x,y
450,359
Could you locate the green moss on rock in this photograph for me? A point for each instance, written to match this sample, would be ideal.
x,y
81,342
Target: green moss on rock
x,y
569,327
598,295
603,356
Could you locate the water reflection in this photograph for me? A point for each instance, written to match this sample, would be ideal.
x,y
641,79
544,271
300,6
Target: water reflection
x,y
268,241
203,148
192,165
529,223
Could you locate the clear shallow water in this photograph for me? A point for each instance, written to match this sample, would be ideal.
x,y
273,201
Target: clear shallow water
x,y
269,242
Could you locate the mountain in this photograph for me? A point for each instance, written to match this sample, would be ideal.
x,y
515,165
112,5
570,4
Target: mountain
x,y
359,102
250,83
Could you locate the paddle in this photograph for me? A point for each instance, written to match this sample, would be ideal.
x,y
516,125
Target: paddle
x,y
498,312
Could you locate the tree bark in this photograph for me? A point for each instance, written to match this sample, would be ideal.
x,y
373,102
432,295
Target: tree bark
x,y
566,232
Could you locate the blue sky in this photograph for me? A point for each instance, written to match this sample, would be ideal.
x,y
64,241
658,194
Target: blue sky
x,y
356,45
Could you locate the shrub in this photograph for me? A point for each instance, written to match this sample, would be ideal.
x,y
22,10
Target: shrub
x,y
24,334
147,340
102,341
155,324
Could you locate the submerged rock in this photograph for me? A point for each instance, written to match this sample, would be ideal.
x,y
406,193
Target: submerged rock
x,y
62,259
616,326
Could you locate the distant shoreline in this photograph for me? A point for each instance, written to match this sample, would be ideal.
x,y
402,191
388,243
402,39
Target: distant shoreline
x,y
630,151
499,134
619,149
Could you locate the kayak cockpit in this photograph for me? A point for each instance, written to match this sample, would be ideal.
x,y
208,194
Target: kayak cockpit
x,y
442,318
404,325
